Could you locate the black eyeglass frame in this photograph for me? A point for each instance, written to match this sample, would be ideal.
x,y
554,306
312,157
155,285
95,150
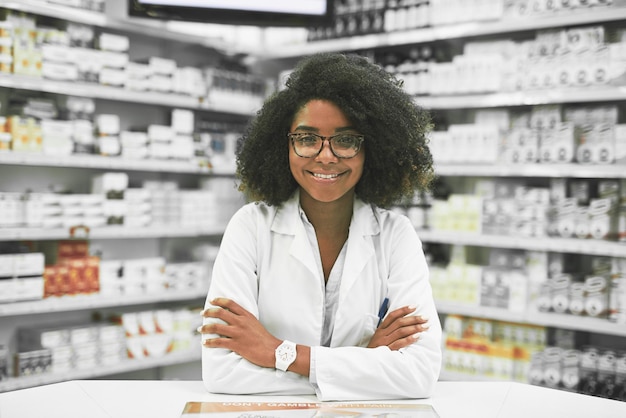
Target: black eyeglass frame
x,y
294,135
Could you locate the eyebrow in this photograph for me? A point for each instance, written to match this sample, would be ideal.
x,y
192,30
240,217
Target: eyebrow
x,y
311,128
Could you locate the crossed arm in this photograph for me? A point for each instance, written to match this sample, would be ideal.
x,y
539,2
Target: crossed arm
x,y
242,333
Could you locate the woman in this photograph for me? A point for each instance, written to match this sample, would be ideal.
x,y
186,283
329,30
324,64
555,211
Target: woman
x,y
316,287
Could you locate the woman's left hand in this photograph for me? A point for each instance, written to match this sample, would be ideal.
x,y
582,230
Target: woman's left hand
x,y
399,329
241,333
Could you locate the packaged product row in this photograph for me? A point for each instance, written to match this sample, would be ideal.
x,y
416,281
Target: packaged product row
x,y
121,337
528,282
67,269
491,349
557,207
112,202
558,359
591,370
361,17
65,51
576,57
62,126
541,134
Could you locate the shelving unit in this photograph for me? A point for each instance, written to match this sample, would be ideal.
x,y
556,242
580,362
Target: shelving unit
x,y
379,44
136,108
283,57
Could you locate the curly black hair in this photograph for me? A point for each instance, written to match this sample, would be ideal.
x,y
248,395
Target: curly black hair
x,y
397,159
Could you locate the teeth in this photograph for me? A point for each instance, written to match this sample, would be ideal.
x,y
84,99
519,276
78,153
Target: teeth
x,y
325,176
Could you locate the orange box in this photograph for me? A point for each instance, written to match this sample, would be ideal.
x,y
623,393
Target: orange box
x,y
76,272
92,274
50,287
56,281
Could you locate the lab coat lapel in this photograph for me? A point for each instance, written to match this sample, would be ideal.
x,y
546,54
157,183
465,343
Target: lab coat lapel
x,y
360,248
288,222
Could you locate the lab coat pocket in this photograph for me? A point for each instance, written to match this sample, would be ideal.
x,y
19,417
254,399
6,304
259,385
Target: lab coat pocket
x,y
370,323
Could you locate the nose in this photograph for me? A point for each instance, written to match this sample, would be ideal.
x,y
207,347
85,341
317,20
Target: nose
x,y
326,153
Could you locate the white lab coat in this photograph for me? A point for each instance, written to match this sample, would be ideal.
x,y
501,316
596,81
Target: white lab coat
x,y
267,265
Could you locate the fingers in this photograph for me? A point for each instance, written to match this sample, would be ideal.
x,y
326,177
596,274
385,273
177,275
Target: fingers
x,y
401,329
403,342
223,309
229,305
402,317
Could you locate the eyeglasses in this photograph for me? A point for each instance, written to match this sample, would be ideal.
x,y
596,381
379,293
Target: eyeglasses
x,y
309,145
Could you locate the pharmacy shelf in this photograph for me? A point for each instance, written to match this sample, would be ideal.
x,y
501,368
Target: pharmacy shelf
x,y
555,320
125,366
102,162
95,301
445,32
598,171
148,27
97,91
551,244
110,232
589,94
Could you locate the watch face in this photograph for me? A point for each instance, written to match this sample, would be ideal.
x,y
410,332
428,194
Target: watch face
x,y
286,353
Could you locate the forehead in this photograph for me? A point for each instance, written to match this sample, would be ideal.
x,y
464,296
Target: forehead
x,y
318,113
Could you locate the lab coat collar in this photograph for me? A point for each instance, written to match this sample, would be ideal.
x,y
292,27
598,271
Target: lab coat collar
x,y
360,248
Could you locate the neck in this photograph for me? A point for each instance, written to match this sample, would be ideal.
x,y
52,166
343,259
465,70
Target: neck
x,y
328,217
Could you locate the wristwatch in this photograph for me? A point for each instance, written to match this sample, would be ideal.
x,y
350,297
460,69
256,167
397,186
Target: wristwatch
x,y
285,355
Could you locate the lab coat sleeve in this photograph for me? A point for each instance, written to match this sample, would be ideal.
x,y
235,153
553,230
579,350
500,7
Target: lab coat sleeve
x,y
234,276
358,373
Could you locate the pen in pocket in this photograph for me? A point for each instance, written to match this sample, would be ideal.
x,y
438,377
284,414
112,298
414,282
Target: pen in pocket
x,y
382,311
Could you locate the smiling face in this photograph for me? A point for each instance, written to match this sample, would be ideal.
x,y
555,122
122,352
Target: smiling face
x,y
325,178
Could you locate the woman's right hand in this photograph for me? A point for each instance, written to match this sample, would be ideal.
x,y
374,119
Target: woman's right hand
x,y
399,329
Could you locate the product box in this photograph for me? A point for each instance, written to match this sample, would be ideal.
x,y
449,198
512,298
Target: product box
x,y
557,145
617,294
4,362
112,281
112,42
620,376
570,370
33,338
28,288
162,66
32,362
86,355
57,281
603,219
596,144
112,185
183,121
112,353
108,124
62,359
115,77
606,374
596,296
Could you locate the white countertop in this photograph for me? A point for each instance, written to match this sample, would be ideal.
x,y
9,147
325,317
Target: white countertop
x,y
166,399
